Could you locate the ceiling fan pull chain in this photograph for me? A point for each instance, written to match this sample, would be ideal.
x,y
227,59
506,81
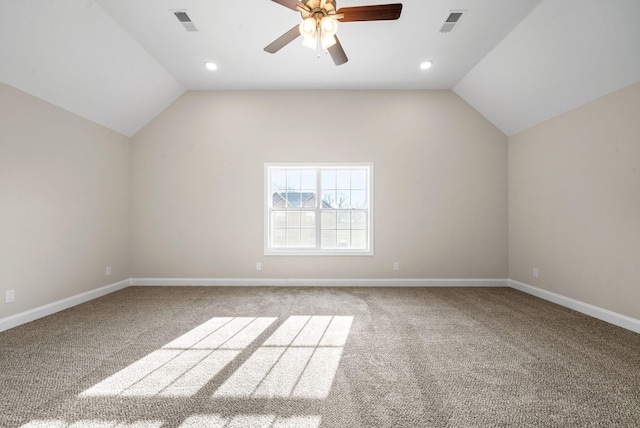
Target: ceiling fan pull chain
x,y
319,44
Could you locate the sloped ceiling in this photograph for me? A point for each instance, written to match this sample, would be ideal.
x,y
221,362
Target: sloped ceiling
x,y
566,53
72,54
120,62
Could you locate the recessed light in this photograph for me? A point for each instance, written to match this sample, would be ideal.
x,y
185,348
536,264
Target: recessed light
x,y
426,65
211,66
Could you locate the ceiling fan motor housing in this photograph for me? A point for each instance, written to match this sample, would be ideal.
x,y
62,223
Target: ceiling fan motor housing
x,y
318,9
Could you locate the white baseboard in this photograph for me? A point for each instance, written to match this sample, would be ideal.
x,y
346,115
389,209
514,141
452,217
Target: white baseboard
x,y
316,282
585,308
60,305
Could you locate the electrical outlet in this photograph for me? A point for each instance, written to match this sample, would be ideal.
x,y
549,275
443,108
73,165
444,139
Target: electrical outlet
x,y
107,271
9,296
258,266
536,272
396,266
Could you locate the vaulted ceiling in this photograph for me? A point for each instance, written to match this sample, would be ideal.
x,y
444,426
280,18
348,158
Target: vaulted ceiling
x,y
120,62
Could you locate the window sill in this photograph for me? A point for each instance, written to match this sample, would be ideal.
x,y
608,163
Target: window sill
x,y
317,253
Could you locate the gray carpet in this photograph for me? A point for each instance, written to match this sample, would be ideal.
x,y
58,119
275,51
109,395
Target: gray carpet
x,y
183,357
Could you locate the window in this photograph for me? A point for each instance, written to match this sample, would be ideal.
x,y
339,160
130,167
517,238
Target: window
x,y
318,209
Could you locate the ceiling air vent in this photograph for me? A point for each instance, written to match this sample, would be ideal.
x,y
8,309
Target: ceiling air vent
x,y
452,20
185,20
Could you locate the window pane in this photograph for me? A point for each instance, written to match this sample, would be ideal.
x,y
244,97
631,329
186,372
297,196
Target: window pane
x,y
328,220
308,179
358,179
358,239
329,239
328,179
343,238
344,220
359,220
293,180
279,200
358,199
343,179
278,219
293,219
278,180
329,199
308,220
308,237
293,237
344,201
279,238
308,198
292,198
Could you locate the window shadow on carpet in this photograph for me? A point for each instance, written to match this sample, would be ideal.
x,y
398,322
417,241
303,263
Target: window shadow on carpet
x,y
297,362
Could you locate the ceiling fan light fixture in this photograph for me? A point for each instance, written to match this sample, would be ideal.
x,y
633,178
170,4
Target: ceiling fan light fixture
x,y
308,28
311,42
329,26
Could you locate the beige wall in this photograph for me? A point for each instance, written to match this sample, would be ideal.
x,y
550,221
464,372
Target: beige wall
x,y
440,183
190,185
64,185
574,203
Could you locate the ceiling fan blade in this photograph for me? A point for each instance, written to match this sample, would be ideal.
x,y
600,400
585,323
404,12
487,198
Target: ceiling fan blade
x,y
283,40
292,4
337,53
380,12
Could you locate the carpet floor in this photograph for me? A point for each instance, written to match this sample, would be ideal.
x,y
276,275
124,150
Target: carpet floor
x,y
304,357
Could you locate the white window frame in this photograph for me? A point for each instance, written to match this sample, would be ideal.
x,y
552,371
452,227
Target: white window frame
x,y
269,250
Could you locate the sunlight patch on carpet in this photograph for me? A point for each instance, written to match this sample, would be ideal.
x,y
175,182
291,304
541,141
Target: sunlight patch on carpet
x,y
299,360
185,365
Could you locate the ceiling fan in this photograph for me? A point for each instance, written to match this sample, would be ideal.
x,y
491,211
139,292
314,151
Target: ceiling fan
x,y
319,25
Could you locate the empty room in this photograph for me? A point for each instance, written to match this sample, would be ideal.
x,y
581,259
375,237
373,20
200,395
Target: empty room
x,y
319,213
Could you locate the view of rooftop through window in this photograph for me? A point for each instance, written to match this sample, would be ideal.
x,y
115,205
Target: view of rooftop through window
x,y
322,208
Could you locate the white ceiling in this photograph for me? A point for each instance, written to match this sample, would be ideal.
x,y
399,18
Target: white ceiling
x,y
564,54
121,62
